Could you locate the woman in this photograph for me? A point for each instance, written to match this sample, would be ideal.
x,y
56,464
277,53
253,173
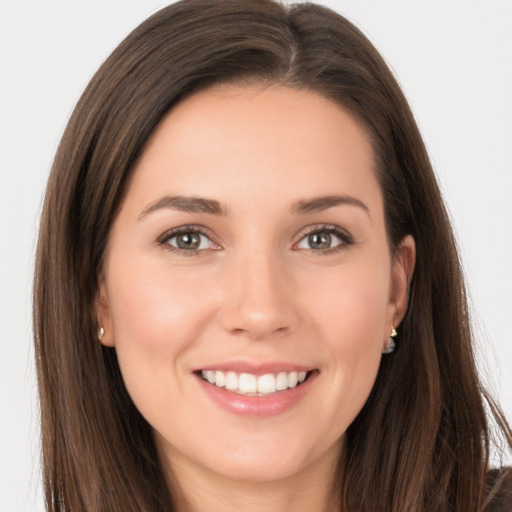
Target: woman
x,y
247,291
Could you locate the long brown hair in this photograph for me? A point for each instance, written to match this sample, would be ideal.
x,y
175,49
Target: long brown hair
x,y
422,441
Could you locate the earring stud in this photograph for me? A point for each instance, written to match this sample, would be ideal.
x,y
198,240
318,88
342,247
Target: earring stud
x,y
101,333
391,345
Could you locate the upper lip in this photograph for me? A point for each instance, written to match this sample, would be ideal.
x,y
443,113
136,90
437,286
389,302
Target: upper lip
x,y
256,368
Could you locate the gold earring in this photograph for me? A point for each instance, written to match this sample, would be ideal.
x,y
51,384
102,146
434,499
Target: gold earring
x,y
391,345
101,333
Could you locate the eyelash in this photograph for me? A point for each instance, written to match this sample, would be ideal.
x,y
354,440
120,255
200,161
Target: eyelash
x,y
344,236
164,239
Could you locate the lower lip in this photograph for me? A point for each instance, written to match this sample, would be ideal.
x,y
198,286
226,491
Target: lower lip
x,y
257,406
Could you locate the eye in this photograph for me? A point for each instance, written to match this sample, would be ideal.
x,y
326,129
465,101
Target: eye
x,y
325,239
187,239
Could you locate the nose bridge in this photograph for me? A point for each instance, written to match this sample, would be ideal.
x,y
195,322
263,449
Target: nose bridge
x,y
259,299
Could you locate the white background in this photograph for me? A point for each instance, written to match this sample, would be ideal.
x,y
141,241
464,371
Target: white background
x,y
454,61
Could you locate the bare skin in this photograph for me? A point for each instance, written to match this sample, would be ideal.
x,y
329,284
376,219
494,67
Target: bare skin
x,y
251,237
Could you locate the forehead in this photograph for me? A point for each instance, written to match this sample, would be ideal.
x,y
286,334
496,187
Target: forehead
x,y
236,142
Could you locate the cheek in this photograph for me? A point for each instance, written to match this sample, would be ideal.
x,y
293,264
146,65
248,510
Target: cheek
x,y
150,306
352,317
354,304
155,319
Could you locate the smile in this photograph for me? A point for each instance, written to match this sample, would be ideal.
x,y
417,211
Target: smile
x,y
256,390
254,385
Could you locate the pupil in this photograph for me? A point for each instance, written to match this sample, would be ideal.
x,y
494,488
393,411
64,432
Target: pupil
x,y
320,240
188,241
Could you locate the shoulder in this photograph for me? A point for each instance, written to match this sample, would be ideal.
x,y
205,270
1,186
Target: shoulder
x,y
500,484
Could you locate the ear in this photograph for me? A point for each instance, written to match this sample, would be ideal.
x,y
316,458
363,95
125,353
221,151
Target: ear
x,y
402,272
104,316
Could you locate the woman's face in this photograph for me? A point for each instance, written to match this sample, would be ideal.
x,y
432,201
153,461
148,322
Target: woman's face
x,y
248,287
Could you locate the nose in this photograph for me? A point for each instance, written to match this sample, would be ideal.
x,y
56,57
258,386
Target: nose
x,y
259,298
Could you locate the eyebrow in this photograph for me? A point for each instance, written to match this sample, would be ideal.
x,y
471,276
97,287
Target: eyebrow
x,y
325,202
211,206
186,204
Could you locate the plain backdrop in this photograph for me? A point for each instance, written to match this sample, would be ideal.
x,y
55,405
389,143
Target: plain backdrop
x,y
454,62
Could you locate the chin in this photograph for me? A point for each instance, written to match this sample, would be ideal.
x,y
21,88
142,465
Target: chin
x,y
259,458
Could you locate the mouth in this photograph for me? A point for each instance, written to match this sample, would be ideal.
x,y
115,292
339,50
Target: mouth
x,y
248,384
256,390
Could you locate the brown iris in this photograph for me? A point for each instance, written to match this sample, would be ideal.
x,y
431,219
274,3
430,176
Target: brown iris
x,y
321,240
188,241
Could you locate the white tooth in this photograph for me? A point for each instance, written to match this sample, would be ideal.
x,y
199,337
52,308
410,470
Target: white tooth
x,y
292,379
266,383
281,381
210,376
204,375
220,379
247,383
301,376
231,381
